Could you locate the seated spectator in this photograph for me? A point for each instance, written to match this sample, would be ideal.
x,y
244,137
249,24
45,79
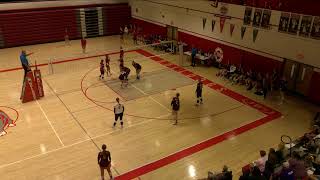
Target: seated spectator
x,y
298,167
256,174
246,173
224,175
261,162
270,163
286,172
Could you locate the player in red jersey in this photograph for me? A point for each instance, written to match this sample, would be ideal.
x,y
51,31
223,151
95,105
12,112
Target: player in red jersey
x,y
83,44
101,70
108,65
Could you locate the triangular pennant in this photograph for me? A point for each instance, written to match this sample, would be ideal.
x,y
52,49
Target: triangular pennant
x,y
204,21
243,30
222,21
231,29
255,34
213,23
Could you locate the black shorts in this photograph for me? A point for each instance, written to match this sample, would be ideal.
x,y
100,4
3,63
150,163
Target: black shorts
x,y
117,116
199,94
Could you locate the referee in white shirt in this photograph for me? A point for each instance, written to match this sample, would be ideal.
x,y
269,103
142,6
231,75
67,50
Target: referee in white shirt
x,y
118,113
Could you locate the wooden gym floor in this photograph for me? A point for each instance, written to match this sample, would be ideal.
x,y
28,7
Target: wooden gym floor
x,y
58,137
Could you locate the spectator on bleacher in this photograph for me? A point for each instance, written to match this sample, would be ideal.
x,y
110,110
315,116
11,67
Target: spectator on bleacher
x,y
286,172
298,167
261,162
224,175
246,173
270,163
256,174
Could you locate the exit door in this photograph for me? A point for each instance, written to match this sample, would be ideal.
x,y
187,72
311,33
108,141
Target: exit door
x,y
298,76
172,33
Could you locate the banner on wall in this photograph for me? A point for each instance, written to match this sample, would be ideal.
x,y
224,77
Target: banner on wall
x,y
213,23
257,18
294,23
247,16
315,32
255,34
284,22
204,21
231,29
305,26
222,21
243,30
265,22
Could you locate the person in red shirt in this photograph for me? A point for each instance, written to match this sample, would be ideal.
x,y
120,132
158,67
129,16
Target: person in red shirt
x,y
83,44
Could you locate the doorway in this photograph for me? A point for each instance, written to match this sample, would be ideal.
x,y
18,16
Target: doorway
x,y
298,76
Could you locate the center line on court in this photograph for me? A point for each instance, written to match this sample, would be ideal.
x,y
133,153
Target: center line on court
x,y
45,115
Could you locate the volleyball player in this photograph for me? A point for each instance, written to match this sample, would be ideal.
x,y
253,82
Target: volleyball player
x,y
199,92
108,65
118,113
104,161
121,52
122,78
175,104
138,68
83,44
102,70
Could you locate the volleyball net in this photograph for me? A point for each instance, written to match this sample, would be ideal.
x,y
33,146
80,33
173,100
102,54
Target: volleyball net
x,y
62,62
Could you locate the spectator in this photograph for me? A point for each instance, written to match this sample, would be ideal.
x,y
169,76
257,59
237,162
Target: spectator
x,y
280,152
245,174
224,175
298,167
261,162
286,172
270,163
256,174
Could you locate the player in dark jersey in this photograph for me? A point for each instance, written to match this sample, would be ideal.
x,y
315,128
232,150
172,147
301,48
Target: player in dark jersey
x,y
138,68
101,70
108,65
104,161
199,92
121,52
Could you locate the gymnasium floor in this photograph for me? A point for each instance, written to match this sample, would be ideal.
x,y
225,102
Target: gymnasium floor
x,y
58,137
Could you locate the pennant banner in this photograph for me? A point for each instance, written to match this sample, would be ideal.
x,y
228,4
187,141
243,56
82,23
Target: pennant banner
x,y
231,29
222,21
243,30
204,21
255,34
213,23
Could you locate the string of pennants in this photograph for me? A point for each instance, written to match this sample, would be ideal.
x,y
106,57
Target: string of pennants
x,y
232,27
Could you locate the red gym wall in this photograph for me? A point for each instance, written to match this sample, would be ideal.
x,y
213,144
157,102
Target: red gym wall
x,y
32,26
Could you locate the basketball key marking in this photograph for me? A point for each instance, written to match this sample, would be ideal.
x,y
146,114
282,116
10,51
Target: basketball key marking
x,y
5,121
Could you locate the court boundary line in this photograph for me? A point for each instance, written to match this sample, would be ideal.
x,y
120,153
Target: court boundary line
x,y
271,115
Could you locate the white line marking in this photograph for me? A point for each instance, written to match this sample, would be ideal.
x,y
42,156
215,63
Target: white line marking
x,y
45,115
80,142
151,98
